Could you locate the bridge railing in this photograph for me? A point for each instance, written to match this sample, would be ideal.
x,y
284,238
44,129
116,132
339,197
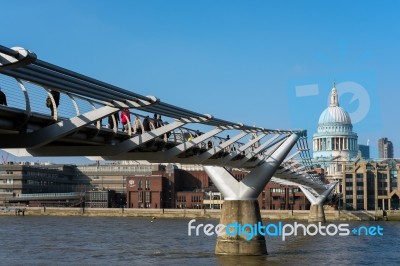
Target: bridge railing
x,y
27,81
72,105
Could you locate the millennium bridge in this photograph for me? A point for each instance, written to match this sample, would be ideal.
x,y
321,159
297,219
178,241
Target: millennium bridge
x,y
53,111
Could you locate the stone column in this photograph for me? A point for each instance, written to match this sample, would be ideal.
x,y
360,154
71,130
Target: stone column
x,y
241,212
316,214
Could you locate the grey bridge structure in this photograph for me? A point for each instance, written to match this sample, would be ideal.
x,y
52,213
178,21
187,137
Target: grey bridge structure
x,y
79,126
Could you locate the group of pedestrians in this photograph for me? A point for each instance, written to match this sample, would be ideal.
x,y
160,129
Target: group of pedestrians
x,y
138,126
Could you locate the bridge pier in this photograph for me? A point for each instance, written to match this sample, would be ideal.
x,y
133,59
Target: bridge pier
x,y
240,211
317,213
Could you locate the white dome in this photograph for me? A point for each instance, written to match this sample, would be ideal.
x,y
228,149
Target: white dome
x,y
334,114
335,136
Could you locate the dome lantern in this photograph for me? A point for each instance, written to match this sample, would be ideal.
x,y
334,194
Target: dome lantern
x,y
334,113
334,97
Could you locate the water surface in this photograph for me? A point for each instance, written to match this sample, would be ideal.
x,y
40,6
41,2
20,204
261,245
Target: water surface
x,y
44,240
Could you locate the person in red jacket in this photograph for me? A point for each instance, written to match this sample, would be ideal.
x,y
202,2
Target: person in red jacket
x,y
125,118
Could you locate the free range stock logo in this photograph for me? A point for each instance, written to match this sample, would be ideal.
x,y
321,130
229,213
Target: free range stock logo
x,y
279,229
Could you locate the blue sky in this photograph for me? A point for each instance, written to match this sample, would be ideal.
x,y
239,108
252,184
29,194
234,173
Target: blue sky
x,y
237,60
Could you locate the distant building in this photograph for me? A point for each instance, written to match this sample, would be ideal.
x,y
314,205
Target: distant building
x,y
102,199
35,185
150,191
279,197
335,141
191,188
385,148
169,187
370,185
104,184
364,184
335,137
24,178
128,185
364,149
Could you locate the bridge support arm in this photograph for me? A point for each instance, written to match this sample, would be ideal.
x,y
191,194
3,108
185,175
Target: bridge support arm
x,y
241,204
317,213
55,131
252,185
119,148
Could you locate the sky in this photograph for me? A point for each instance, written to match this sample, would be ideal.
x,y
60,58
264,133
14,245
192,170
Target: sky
x,y
265,63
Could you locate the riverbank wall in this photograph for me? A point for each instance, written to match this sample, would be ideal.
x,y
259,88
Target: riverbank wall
x,y
331,215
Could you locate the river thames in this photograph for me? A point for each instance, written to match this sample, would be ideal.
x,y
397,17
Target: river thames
x,y
39,240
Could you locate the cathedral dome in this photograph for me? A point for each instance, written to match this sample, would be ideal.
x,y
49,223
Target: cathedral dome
x,y
334,113
335,137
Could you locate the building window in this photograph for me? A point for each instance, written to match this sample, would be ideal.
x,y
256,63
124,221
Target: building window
x,y
278,190
196,199
147,184
148,196
181,198
140,184
140,196
349,177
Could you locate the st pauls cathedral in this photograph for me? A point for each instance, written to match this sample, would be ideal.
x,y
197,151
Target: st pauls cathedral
x,y
364,184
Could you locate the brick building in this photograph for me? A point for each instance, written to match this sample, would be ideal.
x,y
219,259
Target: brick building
x,y
135,186
190,187
169,187
151,191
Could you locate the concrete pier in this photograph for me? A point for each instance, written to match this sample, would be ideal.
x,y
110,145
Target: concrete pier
x,y
317,214
241,212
